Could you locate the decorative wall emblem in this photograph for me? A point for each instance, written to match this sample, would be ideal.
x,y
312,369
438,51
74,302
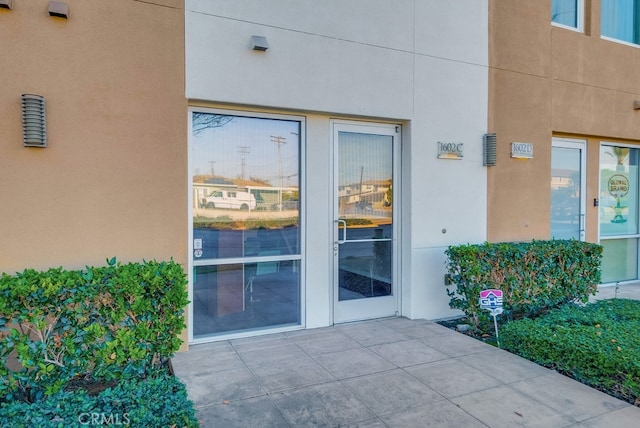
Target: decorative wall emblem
x,y
618,187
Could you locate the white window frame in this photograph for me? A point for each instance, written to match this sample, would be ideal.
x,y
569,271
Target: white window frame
x,y
579,19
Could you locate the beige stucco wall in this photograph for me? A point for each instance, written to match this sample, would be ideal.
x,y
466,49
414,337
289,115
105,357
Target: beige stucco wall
x,y
546,81
113,179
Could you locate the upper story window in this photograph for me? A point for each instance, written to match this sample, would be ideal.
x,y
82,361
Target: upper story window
x,y
620,20
568,13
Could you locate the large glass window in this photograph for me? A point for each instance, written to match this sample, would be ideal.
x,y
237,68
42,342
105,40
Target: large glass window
x,y
618,191
618,206
567,13
620,20
246,222
619,260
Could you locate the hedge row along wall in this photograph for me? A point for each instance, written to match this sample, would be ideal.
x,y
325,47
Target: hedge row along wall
x,y
107,323
533,276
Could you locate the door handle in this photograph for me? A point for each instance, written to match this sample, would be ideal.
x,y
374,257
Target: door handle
x,y
344,231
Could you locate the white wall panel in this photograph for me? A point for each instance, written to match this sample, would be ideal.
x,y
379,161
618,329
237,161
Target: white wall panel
x,y
429,297
319,222
299,71
453,29
422,63
448,194
361,21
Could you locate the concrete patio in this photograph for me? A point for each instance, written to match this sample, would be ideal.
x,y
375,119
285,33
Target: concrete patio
x,y
384,373
626,291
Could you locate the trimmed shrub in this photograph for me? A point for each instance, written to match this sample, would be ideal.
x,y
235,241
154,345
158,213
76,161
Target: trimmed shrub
x,y
108,323
533,276
597,344
158,401
227,223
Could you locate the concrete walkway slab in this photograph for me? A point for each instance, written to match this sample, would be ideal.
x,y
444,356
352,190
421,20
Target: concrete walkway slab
x,y
625,291
384,373
561,393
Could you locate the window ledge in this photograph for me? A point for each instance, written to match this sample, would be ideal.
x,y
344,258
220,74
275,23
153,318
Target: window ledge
x,y
622,42
567,27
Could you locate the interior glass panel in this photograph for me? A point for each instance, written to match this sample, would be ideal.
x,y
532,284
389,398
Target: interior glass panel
x,y
365,210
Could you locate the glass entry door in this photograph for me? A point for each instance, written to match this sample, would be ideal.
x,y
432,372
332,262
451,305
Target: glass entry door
x,y
568,176
364,232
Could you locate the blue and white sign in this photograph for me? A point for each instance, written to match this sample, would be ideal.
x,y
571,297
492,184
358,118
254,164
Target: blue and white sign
x,y
491,300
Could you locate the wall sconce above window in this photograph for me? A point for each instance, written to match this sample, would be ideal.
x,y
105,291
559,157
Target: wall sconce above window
x,y
59,9
34,123
259,43
6,4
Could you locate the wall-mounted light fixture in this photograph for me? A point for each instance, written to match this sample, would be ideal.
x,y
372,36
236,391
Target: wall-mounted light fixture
x,y
490,149
59,9
34,123
6,4
259,43
636,105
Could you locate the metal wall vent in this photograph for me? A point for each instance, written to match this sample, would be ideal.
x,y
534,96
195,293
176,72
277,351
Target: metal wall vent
x,y
34,123
490,149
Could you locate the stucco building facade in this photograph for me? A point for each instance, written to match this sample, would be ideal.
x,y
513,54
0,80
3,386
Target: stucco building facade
x,y
566,84
308,163
111,180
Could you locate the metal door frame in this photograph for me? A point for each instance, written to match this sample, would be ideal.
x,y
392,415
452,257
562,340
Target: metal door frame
x,y
361,309
572,143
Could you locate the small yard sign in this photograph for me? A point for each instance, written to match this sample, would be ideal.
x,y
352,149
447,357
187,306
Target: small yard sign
x,y
491,300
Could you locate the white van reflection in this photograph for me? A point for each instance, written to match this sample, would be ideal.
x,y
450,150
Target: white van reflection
x,y
230,199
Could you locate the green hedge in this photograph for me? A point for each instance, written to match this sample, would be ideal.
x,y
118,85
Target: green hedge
x,y
158,401
227,223
598,344
117,322
533,276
